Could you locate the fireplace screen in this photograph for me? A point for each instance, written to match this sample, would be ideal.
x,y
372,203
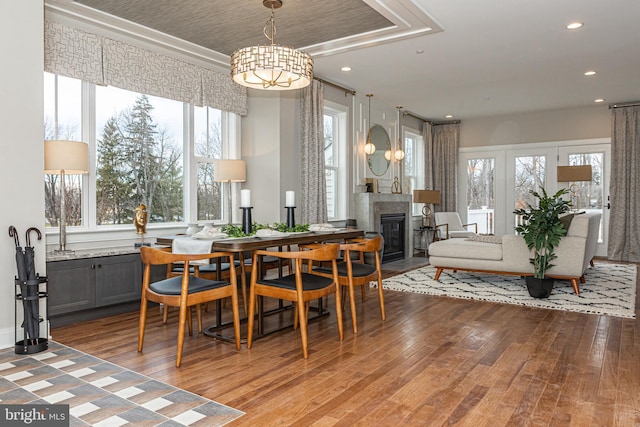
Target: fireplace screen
x,y
392,229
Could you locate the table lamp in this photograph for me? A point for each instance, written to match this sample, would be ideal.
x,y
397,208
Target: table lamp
x,y
229,171
574,174
427,197
64,158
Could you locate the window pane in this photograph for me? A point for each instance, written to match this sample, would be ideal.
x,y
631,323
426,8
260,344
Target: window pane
x,y
68,110
209,194
207,126
530,173
332,183
329,141
139,156
481,193
409,157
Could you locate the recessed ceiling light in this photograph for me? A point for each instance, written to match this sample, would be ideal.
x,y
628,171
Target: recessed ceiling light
x,y
590,73
346,68
599,100
420,51
574,25
449,116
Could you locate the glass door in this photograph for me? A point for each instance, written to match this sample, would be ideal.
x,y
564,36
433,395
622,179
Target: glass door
x,y
481,193
593,196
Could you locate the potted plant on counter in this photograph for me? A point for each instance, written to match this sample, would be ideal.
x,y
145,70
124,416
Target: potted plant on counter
x,y
542,230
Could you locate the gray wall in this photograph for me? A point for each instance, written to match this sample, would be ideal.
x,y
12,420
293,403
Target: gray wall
x,y
544,126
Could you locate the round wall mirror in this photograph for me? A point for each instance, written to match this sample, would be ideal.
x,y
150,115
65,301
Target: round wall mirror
x,y
378,164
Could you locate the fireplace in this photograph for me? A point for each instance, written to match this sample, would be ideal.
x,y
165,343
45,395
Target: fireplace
x,y
392,229
371,207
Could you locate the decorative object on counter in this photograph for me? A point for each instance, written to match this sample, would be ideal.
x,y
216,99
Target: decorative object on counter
x,y
574,174
271,67
351,223
63,158
140,221
192,229
28,282
371,184
395,187
427,197
229,171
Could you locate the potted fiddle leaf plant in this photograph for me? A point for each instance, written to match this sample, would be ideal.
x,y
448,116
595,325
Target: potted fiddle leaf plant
x,y
542,230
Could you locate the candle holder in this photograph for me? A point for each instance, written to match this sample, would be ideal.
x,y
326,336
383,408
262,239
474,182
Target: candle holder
x,y
291,219
246,219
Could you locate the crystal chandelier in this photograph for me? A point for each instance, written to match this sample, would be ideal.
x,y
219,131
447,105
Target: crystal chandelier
x,y
271,67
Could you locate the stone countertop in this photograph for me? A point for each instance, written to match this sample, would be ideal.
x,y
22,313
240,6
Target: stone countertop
x,y
92,253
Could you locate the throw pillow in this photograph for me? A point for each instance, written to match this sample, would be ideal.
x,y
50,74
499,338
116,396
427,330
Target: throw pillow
x,y
486,239
566,221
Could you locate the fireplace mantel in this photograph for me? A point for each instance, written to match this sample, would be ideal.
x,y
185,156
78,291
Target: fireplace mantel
x,y
369,207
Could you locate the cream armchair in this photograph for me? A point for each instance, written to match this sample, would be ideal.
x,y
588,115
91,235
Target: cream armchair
x,y
449,225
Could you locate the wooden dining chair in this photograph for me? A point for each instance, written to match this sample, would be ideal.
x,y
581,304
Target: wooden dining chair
x,y
185,291
353,271
299,287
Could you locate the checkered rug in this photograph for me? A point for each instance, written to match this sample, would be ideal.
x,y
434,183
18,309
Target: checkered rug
x,y
100,393
610,289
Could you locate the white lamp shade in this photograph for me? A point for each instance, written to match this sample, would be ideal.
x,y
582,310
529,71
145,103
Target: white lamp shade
x,y
72,157
230,170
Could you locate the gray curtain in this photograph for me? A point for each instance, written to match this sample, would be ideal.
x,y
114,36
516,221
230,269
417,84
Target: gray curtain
x,y
441,158
314,190
624,220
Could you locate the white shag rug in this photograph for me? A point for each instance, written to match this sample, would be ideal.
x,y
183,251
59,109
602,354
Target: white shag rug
x,y
610,289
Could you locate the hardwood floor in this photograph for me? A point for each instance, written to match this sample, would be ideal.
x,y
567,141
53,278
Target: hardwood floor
x,y
434,361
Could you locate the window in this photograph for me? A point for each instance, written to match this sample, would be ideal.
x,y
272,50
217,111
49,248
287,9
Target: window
x,y
139,157
413,164
481,193
144,148
335,144
207,147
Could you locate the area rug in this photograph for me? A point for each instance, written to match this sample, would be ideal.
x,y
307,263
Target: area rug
x,y
610,289
100,393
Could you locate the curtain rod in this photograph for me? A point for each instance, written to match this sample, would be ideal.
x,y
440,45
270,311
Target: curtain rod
x,y
446,122
625,104
346,90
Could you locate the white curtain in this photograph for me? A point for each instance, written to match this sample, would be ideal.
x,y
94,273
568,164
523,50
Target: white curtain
x,y
624,220
314,190
71,52
441,163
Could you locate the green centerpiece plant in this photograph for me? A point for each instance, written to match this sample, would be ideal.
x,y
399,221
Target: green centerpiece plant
x,y
542,230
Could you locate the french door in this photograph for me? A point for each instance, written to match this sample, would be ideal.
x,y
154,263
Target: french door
x,y
593,196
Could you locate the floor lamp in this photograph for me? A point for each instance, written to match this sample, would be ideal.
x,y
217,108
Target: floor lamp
x,y
574,174
229,171
64,158
427,197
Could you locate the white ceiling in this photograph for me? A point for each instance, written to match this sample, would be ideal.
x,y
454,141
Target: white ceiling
x,y
492,57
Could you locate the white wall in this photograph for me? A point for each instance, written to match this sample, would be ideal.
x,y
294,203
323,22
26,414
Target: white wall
x,y
22,162
261,151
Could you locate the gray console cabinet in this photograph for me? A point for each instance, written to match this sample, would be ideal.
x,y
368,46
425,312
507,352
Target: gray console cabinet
x,y
90,283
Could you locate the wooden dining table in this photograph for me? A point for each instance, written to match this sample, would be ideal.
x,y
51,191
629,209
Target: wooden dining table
x,y
248,244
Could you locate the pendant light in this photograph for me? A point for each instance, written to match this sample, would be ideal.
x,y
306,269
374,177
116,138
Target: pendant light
x,y
271,67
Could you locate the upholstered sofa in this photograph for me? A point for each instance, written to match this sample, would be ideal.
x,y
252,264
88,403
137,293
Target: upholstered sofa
x,y
509,254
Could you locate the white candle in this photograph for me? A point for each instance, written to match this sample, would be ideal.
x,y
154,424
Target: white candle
x,y
245,198
290,199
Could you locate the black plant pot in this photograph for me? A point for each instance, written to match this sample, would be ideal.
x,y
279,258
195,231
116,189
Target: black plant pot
x,y
539,288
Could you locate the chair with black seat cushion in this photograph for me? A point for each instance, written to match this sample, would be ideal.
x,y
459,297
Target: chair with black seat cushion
x,y
299,287
185,291
206,270
353,271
